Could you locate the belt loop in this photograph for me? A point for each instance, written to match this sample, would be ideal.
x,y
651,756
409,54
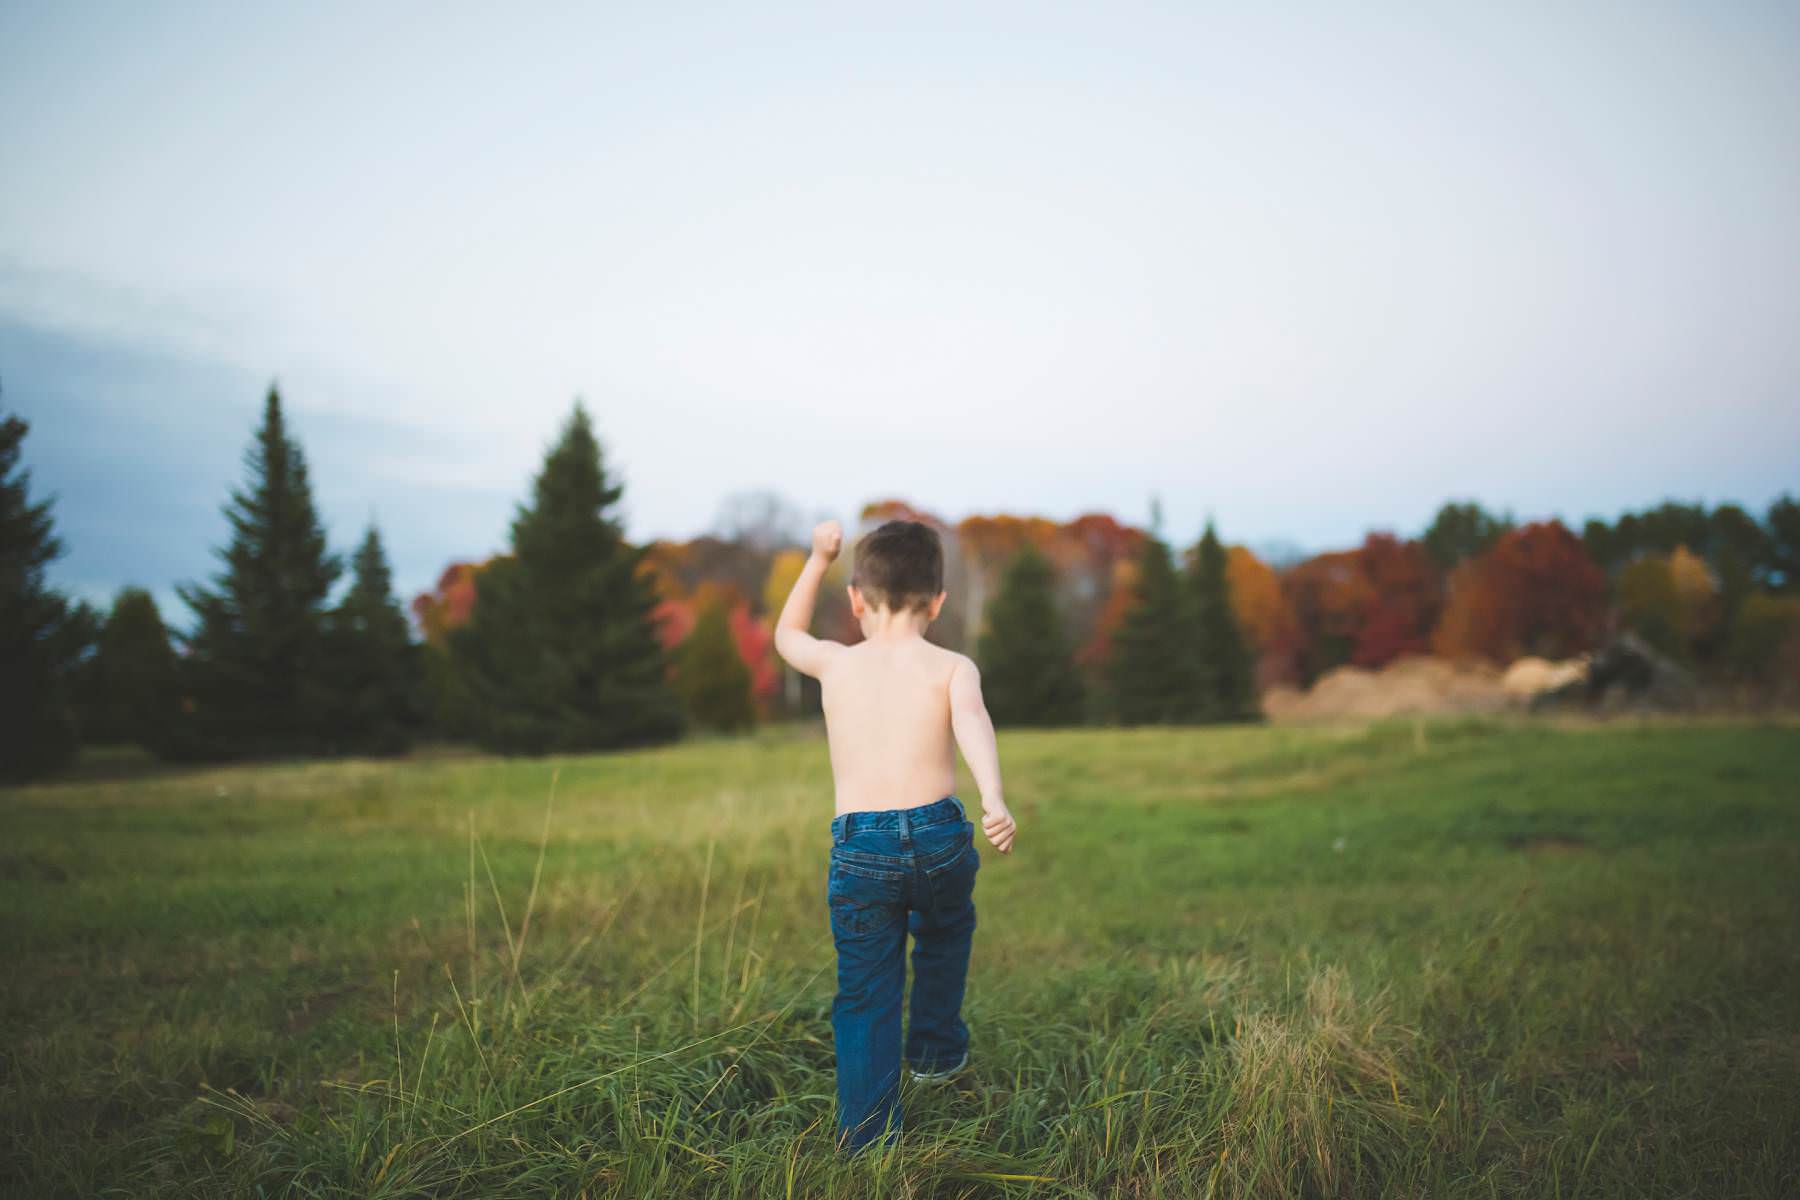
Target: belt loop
x,y
840,829
905,827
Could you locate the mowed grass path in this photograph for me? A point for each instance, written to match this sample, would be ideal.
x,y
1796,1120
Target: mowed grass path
x,y
1464,958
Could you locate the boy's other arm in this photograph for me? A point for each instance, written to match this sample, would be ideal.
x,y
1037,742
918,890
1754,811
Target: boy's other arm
x,y
974,731
801,650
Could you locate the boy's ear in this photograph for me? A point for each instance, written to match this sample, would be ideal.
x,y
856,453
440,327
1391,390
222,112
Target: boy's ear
x,y
936,606
857,607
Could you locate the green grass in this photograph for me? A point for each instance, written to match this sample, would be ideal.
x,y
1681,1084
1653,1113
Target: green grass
x,y
1467,958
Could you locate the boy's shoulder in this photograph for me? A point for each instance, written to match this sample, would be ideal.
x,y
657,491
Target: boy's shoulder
x,y
944,655
941,659
952,663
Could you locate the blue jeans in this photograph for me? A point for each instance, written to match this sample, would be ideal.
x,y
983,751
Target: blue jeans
x,y
892,872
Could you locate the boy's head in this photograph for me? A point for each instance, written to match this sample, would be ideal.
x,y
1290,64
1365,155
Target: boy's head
x,y
899,566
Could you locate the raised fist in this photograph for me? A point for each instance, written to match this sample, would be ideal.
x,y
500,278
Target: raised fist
x,y
828,539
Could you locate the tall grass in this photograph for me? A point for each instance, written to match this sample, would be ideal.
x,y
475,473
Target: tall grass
x,y
1497,959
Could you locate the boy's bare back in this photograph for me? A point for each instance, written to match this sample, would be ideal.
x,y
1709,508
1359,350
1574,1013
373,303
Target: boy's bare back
x,y
887,721
896,706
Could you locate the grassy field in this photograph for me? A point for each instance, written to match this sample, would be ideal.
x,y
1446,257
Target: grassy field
x,y
1467,958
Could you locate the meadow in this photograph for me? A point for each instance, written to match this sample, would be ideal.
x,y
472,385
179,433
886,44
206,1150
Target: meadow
x,y
1459,958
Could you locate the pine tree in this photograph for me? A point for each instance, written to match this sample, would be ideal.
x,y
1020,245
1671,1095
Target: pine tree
x,y
255,667
1028,674
1153,670
376,670
561,652
710,675
42,639
132,684
1227,671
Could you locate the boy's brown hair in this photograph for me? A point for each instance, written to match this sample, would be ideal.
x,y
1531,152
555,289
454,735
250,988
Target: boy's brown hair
x,y
899,565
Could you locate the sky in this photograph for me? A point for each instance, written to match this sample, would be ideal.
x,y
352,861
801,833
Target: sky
x,y
1307,270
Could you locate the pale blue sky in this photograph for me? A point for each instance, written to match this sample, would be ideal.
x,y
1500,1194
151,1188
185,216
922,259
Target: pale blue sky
x,y
1313,270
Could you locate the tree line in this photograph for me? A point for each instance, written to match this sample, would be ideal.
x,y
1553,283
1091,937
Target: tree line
x,y
562,654
575,639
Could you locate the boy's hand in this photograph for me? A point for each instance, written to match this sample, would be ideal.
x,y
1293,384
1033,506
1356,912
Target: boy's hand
x,y
999,826
828,539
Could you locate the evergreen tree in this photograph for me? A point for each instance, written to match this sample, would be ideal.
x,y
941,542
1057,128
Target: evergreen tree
x,y
561,652
42,639
1463,530
1782,564
376,671
1153,670
132,685
710,675
255,669
1028,674
1227,670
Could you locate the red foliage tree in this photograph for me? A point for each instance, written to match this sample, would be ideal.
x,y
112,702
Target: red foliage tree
x,y
1407,594
755,645
1332,598
675,620
1535,592
451,603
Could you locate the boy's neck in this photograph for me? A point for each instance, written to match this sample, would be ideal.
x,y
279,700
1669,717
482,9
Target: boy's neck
x,y
884,626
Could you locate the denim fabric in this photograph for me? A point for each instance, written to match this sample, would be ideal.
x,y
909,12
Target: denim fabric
x,y
894,872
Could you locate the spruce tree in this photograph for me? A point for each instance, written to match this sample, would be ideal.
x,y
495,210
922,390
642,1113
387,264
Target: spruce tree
x,y
376,673
133,684
710,675
42,639
1153,670
1028,675
1227,670
255,669
561,652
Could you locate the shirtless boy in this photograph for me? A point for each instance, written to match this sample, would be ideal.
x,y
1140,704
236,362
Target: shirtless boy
x,y
903,856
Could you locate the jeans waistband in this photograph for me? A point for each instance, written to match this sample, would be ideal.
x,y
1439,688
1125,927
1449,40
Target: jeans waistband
x,y
899,820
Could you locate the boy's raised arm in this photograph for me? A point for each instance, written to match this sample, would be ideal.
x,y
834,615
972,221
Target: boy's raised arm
x,y
974,731
802,651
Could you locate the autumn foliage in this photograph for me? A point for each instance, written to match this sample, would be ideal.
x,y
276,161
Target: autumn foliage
x,y
1266,616
1536,592
1406,596
1473,586
450,604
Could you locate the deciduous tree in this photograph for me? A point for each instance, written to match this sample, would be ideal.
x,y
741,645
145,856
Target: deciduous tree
x,y
710,675
1536,592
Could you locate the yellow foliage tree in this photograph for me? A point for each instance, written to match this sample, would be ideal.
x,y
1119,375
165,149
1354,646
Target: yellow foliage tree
x,y
1671,600
783,570
1696,594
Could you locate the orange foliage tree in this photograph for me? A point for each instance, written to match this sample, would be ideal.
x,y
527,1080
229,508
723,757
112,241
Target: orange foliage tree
x,y
1121,594
1535,592
1266,617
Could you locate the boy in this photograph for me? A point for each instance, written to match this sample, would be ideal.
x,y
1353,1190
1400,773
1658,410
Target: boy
x,y
903,853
